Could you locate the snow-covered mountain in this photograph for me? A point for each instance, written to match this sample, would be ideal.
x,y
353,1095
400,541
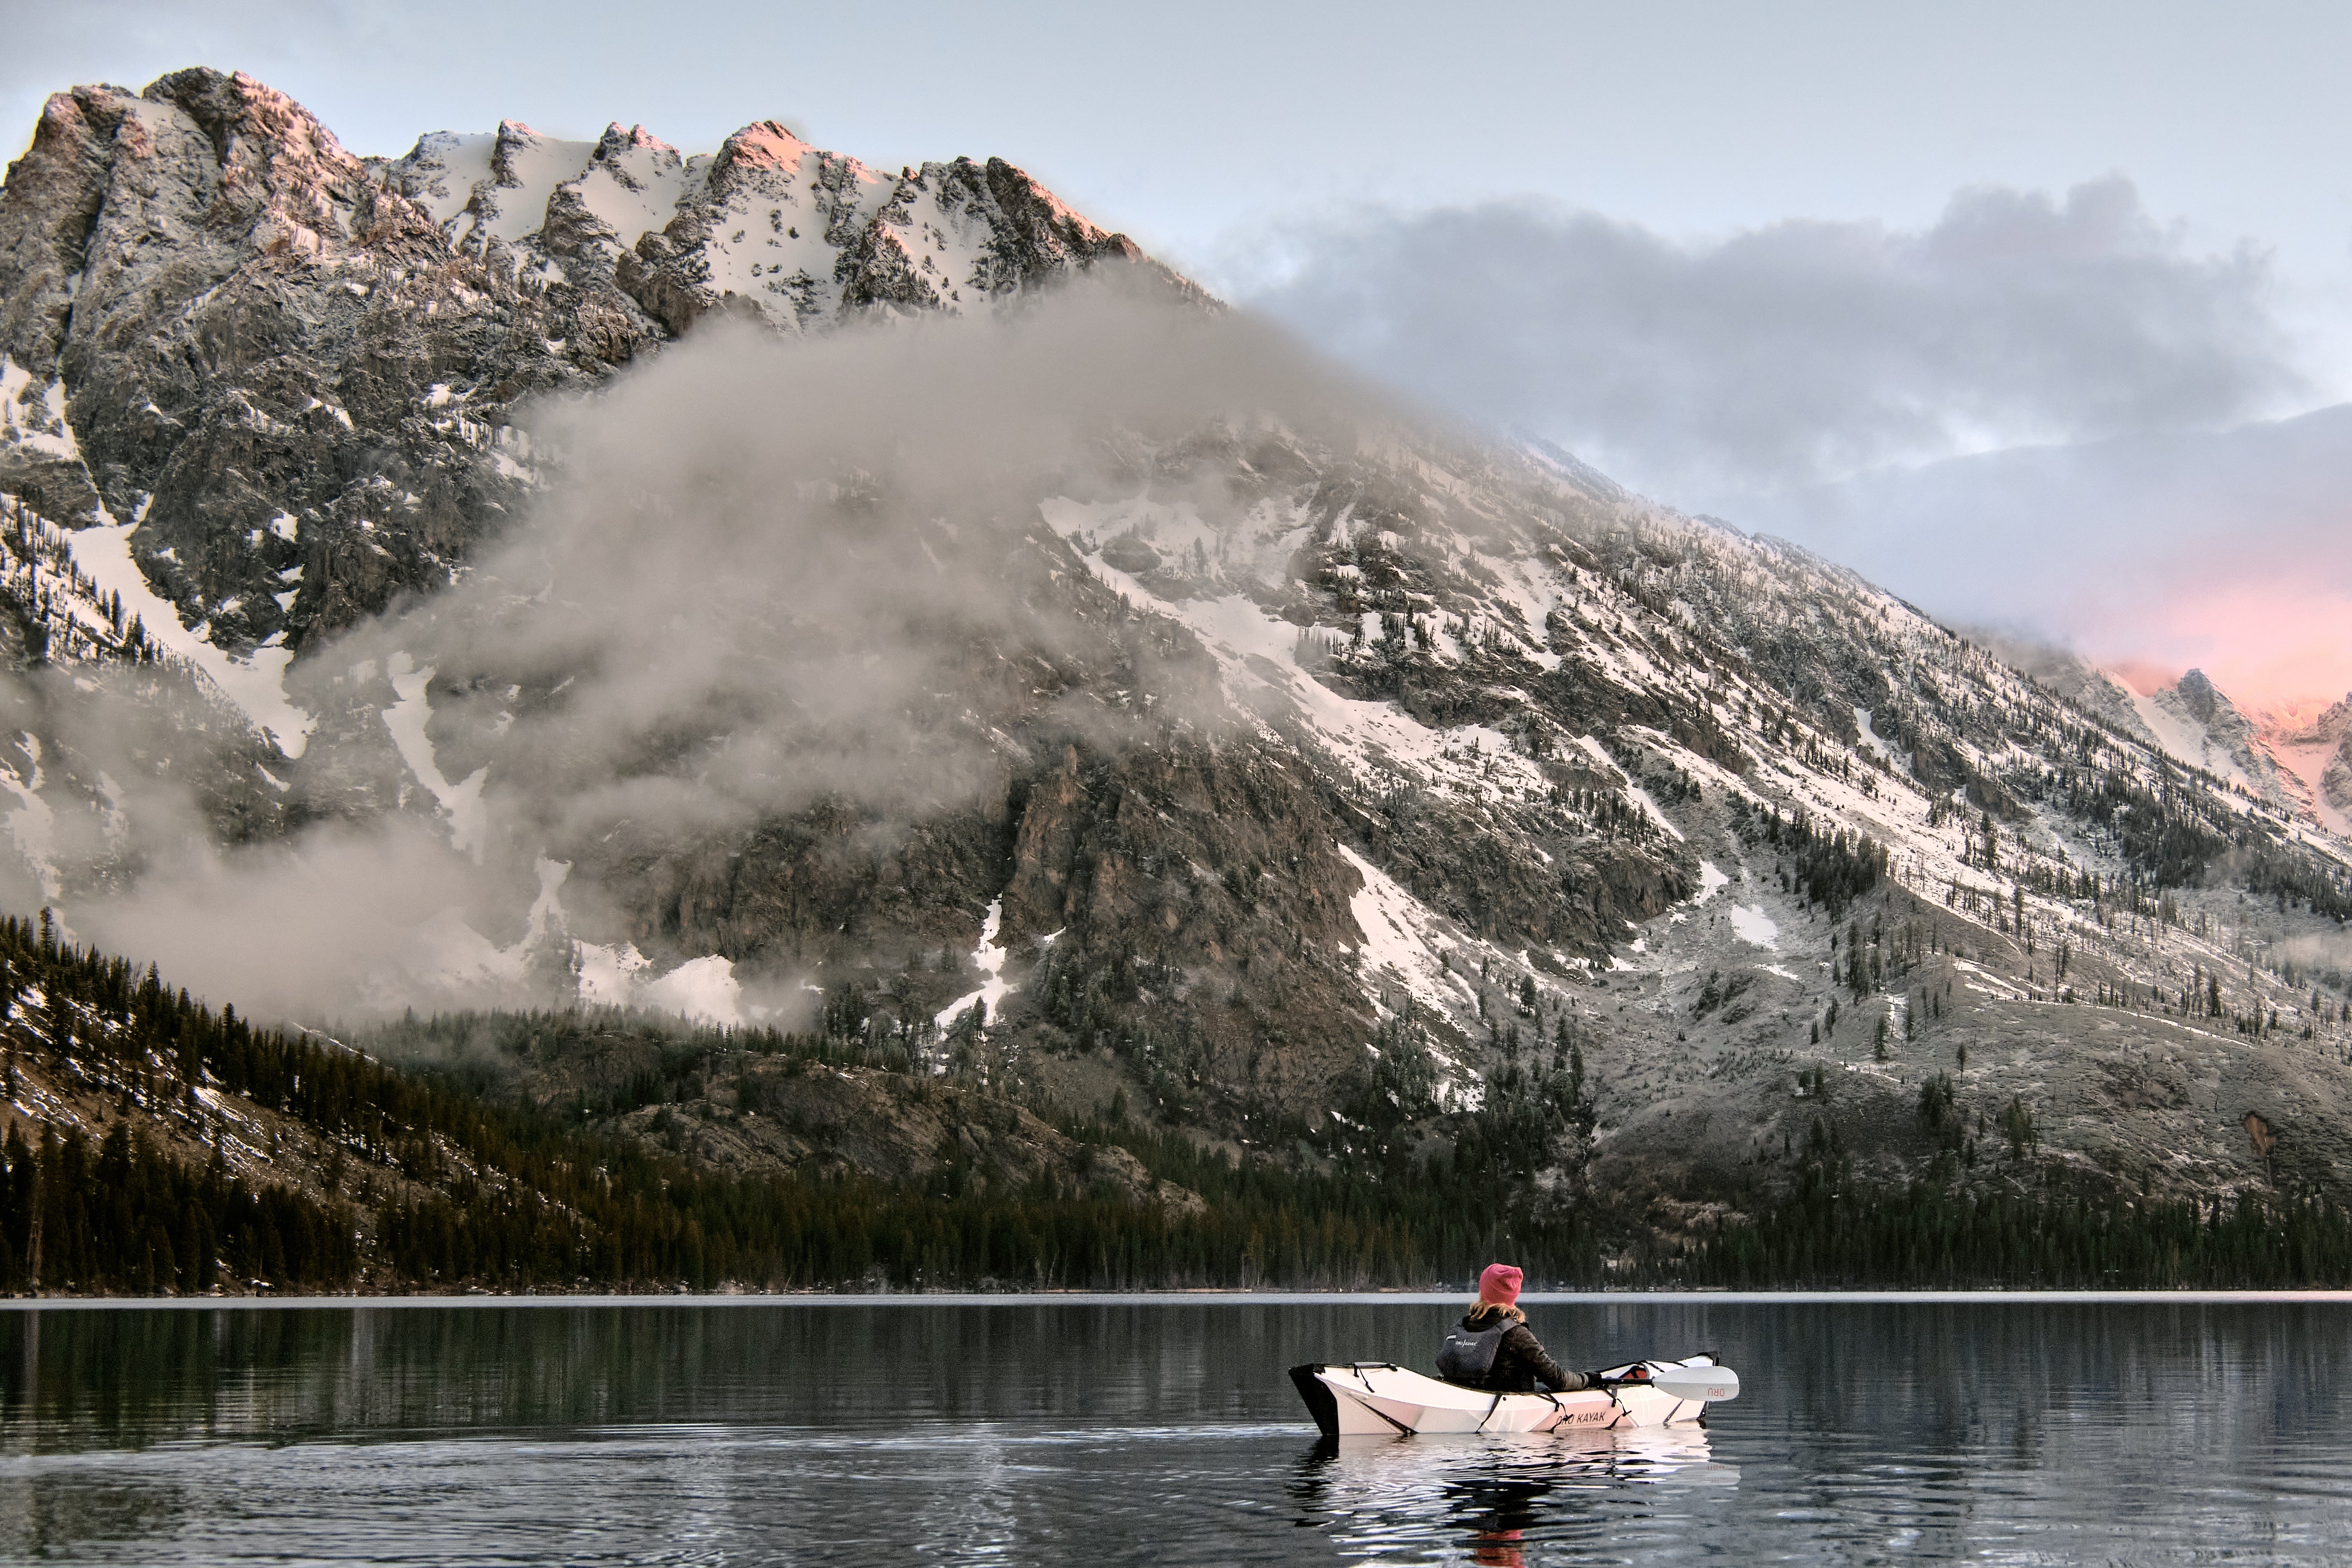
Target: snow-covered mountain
x,y
2279,758
767,225
2314,751
1087,695
2291,759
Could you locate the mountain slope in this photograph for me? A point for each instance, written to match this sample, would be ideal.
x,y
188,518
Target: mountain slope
x,y
151,1145
2277,758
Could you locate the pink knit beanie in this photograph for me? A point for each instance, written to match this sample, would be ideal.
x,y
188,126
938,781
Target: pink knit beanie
x,y
1499,1284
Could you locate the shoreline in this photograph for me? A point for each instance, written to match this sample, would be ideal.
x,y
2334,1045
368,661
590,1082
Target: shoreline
x,y
1181,1297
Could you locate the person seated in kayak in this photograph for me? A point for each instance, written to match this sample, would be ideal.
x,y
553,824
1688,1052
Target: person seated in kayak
x,y
1494,1349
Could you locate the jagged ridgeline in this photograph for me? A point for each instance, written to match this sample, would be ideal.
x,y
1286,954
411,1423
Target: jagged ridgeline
x,y
514,581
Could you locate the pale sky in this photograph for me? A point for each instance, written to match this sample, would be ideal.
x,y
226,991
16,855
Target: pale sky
x,y
1356,169
1178,124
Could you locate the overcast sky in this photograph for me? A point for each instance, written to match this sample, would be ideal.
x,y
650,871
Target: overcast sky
x,y
1782,262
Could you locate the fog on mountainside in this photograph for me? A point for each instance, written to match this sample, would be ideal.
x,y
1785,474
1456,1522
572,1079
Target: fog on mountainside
x,y
772,574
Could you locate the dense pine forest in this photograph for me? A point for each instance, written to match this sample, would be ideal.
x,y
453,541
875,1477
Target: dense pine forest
x,y
1831,1233
157,1146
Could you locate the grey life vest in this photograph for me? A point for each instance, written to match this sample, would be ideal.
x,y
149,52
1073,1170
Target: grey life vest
x,y
1466,1357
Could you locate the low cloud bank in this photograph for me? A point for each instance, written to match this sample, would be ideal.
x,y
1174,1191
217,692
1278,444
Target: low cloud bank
x,y
769,575
1798,353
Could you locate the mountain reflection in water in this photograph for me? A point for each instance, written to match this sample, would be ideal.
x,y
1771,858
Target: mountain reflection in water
x,y
1162,1432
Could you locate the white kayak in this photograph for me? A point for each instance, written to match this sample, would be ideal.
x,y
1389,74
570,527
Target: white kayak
x,y
1380,1399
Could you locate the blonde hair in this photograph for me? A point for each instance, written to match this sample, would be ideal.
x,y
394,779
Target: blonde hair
x,y
1482,1309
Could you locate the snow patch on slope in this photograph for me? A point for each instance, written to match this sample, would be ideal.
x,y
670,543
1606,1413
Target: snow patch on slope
x,y
40,423
1870,736
1755,926
989,959
1403,939
254,683
443,170
491,185
2180,733
1257,655
635,187
470,827
2308,763
704,988
1404,943
610,976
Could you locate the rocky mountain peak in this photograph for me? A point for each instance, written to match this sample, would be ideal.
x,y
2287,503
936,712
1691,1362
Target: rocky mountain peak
x,y
2196,721
762,144
267,145
2198,696
298,369
637,136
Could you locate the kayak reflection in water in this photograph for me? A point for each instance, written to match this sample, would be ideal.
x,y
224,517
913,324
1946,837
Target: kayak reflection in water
x,y
1494,1349
1504,1499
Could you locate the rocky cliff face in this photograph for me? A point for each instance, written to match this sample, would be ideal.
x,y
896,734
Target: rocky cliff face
x,y
1287,772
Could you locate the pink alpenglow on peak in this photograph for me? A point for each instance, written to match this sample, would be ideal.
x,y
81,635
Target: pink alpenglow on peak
x,y
2268,645
763,145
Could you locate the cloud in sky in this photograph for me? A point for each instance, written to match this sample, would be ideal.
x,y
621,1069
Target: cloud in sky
x,y
770,573
1802,351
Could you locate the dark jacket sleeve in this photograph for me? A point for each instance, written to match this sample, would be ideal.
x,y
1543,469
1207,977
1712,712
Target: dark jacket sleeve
x,y
1522,1342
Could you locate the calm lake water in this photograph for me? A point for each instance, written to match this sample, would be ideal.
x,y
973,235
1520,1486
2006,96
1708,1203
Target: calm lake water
x,y
1099,1432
